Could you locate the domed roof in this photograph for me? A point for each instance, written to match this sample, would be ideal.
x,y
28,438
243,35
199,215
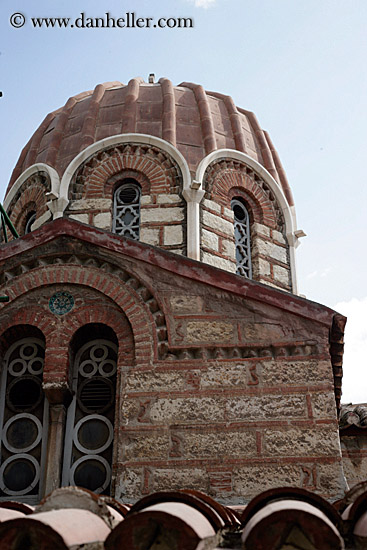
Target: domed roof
x,y
195,121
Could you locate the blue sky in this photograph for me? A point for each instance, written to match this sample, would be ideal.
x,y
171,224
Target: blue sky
x,y
300,65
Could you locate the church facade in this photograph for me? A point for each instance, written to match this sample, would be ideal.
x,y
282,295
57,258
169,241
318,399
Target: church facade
x,y
154,338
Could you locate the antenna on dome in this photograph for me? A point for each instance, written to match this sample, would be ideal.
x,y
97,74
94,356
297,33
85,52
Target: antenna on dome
x,y
151,78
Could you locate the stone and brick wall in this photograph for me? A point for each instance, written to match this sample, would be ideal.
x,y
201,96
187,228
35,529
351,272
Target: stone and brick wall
x,y
218,389
163,212
225,180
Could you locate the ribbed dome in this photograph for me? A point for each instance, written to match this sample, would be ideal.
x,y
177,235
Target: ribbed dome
x,y
193,120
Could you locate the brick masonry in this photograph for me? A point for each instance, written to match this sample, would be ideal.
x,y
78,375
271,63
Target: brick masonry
x,y
218,389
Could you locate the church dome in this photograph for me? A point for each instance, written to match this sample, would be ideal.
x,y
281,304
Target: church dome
x,y
176,167
195,121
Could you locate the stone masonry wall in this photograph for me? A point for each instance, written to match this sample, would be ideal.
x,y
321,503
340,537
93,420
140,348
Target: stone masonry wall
x,y
222,392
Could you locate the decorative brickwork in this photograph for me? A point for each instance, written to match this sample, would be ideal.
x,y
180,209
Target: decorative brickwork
x,y
31,197
163,213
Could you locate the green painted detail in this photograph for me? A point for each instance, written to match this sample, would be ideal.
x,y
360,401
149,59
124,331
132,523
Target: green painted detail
x,y
61,303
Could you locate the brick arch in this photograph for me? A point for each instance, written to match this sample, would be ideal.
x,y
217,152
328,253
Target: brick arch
x,y
112,287
226,178
31,196
153,164
113,183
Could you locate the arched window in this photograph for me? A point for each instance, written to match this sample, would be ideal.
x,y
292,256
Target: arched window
x,y
30,219
126,209
90,418
23,421
242,238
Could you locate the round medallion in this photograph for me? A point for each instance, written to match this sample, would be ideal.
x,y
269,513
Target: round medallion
x,y
61,303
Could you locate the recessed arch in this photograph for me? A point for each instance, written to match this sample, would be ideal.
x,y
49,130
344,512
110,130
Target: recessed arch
x,y
287,210
110,142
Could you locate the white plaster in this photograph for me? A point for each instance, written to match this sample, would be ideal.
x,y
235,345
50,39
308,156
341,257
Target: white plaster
x,y
31,171
289,212
193,198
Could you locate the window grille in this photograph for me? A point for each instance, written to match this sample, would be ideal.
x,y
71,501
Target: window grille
x,y
126,210
23,422
242,238
89,427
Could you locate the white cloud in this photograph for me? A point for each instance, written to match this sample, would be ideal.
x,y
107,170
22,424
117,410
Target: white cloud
x,y
323,273
355,350
203,3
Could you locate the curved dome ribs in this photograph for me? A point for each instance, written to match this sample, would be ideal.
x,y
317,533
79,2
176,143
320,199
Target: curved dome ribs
x,y
162,110
176,137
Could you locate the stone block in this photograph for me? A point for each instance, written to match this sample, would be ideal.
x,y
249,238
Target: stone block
x,y
219,444
161,215
90,204
260,229
266,407
171,479
278,236
152,381
269,249
219,224
83,218
145,446
249,481
216,261
281,274
149,236
186,304
210,332
129,484
146,199
331,480
102,220
181,410
173,234
228,213
324,406
168,199
212,205
224,375
289,373
302,442
229,248
210,240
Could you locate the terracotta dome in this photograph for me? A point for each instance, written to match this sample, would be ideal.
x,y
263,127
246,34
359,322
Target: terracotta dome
x,y
195,121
